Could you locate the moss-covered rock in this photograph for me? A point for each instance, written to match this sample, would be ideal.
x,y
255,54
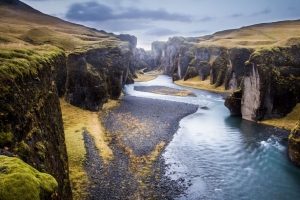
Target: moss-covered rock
x,y
30,110
19,180
272,83
294,145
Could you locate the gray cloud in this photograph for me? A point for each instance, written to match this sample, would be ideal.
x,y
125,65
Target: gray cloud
x,y
263,12
93,11
237,15
206,19
161,32
123,25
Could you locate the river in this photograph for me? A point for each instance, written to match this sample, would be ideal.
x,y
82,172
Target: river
x,y
225,157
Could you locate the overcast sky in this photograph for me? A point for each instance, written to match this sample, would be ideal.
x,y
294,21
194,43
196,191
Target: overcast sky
x,y
151,20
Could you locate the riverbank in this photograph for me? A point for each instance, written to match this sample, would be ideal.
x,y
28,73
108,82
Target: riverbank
x,y
76,121
140,128
202,85
148,76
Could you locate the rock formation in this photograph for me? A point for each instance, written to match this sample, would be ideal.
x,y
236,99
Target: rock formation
x,y
294,145
31,125
98,74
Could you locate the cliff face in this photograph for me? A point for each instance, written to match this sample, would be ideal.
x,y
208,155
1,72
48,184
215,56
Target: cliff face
x,y
142,59
98,74
184,58
271,84
294,145
31,125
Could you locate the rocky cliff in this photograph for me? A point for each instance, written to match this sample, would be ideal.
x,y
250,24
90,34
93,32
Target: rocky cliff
x,y
31,125
98,74
259,63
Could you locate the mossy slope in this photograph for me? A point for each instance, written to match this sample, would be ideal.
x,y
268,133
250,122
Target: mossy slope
x,y
18,180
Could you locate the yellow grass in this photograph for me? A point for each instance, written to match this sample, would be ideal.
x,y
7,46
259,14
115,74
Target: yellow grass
x,y
288,122
75,121
144,78
278,33
201,85
156,72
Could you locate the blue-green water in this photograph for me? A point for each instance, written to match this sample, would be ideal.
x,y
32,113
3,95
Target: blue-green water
x,y
226,157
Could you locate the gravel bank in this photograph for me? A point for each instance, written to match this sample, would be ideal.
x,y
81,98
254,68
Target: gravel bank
x,y
139,127
165,90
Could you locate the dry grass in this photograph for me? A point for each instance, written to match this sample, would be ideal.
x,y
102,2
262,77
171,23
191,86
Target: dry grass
x,y
75,121
202,85
26,26
288,122
175,92
156,72
257,35
144,77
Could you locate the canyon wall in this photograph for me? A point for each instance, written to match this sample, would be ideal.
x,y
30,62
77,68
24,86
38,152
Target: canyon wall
x,y
98,74
264,80
31,125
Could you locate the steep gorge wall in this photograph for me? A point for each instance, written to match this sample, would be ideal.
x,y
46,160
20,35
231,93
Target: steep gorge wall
x,y
98,74
31,122
271,83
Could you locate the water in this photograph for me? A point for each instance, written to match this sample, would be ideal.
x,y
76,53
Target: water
x,y
225,157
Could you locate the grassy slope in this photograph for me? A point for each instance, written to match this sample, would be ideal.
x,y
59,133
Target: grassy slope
x,y
26,26
27,36
283,33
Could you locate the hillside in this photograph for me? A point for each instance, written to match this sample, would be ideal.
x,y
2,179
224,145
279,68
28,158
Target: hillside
x,y
284,33
22,25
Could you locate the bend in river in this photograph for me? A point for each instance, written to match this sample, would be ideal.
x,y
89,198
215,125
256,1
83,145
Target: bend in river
x,y
211,156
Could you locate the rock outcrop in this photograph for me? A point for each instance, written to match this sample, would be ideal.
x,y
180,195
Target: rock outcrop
x,y
98,74
31,125
271,83
294,145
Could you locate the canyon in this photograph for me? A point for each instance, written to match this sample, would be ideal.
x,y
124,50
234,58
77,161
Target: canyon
x,y
44,59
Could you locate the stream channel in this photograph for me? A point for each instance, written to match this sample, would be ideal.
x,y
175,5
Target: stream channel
x,y
225,157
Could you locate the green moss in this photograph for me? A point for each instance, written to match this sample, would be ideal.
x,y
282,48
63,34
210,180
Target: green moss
x,y
17,63
5,138
22,149
18,180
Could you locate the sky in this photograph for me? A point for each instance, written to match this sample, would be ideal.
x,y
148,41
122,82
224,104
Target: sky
x,y
152,20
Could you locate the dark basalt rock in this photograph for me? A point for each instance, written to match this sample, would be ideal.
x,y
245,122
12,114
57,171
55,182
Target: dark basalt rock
x,y
31,121
97,75
294,145
233,103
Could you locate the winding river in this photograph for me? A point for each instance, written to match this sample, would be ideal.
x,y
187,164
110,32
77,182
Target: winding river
x,y
225,157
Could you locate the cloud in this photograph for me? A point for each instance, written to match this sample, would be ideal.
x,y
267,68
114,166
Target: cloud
x,y
123,25
161,32
206,19
263,12
236,15
93,11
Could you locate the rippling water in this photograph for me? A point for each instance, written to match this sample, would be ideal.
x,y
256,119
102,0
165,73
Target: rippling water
x,y
226,157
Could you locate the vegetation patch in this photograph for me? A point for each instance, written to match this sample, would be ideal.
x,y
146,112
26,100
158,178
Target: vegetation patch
x,y
76,121
201,85
19,180
288,122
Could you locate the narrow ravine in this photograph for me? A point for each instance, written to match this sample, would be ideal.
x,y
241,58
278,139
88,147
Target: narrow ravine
x,y
211,155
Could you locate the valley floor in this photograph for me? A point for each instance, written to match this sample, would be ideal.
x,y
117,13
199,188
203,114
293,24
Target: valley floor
x,y
139,128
